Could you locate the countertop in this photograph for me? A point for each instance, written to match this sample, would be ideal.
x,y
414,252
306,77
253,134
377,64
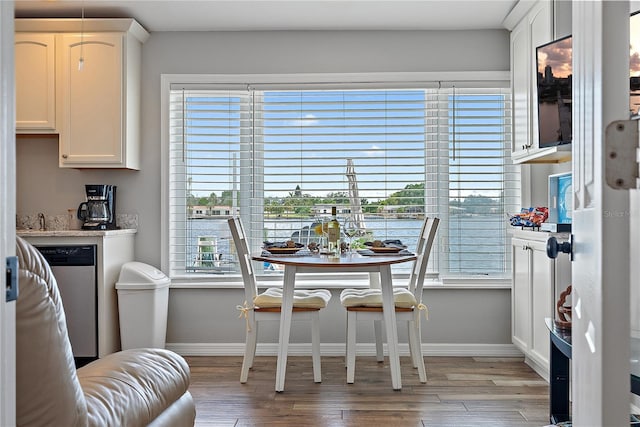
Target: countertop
x,y
74,233
537,235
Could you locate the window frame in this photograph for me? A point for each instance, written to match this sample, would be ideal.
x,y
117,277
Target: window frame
x,y
406,80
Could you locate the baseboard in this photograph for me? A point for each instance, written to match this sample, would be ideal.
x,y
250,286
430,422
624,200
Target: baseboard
x,y
540,368
338,349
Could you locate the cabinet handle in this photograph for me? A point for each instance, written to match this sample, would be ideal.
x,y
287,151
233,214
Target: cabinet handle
x,y
64,156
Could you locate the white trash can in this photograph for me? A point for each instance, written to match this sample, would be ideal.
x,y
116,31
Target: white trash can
x,y
143,302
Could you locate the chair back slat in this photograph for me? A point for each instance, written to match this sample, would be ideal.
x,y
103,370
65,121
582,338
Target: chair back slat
x,y
423,251
244,258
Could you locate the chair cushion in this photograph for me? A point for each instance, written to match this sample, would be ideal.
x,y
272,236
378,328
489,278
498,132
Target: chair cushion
x,y
373,298
302,298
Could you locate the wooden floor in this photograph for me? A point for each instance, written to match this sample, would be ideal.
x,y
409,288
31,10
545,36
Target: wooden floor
x,y
461,391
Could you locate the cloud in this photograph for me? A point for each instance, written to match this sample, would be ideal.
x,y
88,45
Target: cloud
x,y
308,120
558,56
375,151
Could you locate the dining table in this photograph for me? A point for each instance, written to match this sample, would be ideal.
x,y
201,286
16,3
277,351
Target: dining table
x,y
379,268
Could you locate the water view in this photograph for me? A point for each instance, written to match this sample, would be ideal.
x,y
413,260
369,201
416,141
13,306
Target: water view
x,y
484,234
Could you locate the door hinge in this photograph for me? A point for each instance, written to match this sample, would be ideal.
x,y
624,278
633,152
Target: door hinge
x,y
12,278
621,154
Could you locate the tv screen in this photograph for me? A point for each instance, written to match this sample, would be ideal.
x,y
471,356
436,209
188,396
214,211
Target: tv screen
x,y
634,64
554,92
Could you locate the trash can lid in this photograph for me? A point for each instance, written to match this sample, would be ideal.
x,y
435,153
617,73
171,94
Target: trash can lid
x,y
137,275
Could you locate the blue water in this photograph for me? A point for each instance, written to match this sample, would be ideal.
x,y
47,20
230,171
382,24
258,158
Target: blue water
x,y
476,243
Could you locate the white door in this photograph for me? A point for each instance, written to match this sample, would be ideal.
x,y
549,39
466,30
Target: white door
x,y
600,270
7,213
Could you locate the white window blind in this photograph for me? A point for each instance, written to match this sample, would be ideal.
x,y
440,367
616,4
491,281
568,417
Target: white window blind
x,y
471,131
279,159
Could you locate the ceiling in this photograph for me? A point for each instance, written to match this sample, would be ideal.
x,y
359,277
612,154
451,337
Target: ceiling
x,y
239,15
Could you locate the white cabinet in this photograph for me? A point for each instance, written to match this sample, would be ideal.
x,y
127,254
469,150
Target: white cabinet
x,y
98,102
521,295
535,279
35,81
114,248
534,29
520,87
93,100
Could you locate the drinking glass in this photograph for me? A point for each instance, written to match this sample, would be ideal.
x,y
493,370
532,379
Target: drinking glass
x,y
321,231
351,230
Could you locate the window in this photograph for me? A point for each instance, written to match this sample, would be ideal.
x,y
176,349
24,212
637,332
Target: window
x,y
281,158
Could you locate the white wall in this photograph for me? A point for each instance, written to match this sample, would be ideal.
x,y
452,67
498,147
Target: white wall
x,y
205,316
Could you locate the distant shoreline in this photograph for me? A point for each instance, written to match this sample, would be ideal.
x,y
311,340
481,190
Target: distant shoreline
x,y
311,218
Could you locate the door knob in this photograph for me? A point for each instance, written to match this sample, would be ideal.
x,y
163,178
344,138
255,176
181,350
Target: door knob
x,y
554,247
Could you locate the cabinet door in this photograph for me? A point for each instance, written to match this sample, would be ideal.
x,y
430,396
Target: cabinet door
x,y
540,30
521,294
535,29
542,285
35,82
92,135
521,86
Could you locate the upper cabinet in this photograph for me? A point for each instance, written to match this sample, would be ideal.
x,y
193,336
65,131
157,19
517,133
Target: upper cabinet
x,y
97,89
93,98
35,83
530,29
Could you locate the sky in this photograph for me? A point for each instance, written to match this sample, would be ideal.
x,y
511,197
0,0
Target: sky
x,y
307,142
558,56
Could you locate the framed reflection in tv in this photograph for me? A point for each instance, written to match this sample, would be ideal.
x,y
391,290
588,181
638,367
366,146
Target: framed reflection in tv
x,y
554,83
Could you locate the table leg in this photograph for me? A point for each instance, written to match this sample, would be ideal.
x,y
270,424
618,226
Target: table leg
x,y
285,324
389,312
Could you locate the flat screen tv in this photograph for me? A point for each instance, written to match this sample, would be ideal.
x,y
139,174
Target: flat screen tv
x,y
554,72
634,64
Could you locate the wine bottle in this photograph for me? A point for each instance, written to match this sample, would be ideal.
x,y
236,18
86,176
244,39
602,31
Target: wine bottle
x,y
333,231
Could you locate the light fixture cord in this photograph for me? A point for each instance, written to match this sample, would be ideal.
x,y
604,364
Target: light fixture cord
x,y
81,60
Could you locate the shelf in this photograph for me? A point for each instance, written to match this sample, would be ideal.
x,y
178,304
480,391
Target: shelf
x,y
557,154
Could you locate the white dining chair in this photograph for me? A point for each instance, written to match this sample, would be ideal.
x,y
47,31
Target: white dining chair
x,y
366,304
265,306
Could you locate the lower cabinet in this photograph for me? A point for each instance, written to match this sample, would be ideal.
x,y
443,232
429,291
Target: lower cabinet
x,y
114,248
536,281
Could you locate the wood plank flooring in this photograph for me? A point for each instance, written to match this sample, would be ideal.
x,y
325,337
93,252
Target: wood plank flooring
x,y
461,391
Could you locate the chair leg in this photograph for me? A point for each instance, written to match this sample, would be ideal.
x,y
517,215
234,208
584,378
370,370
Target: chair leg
x,y
315,347
249,351
351,346
412,345
377,327
417,349
346,342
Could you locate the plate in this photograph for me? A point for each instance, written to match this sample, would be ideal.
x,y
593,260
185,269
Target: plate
x,y
277,250
384,249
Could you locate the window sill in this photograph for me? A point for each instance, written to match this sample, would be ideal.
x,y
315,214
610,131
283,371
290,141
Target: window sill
x,y
311,283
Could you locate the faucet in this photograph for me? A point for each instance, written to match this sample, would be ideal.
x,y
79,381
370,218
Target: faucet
x,y
43,225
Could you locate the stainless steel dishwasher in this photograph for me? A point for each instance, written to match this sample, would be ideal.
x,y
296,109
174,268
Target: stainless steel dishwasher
x,y
74,267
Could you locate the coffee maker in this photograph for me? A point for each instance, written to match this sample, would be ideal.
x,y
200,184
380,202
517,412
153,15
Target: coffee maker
x,y
99,211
